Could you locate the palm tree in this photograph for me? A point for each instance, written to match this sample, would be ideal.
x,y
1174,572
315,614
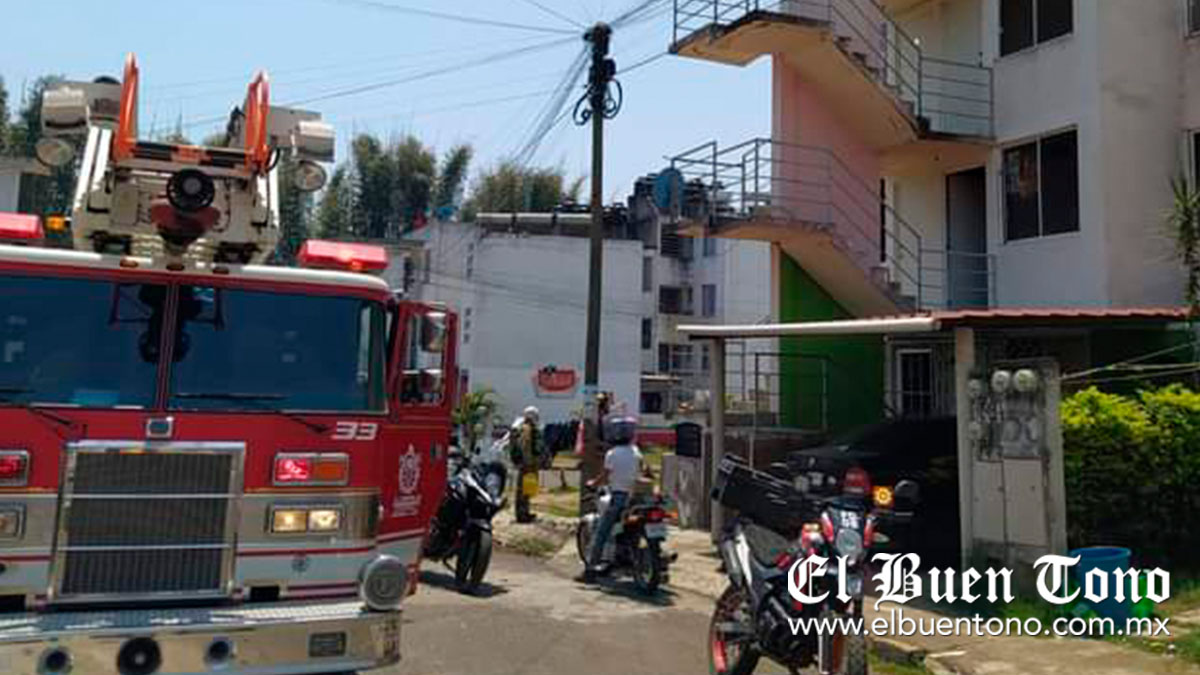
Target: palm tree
x,y
1183,220
474,411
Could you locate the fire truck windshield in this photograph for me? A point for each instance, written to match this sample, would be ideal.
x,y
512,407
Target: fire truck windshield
x,y
253,350
62,343
97,344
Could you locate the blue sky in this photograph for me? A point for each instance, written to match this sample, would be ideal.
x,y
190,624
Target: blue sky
x,y
196,59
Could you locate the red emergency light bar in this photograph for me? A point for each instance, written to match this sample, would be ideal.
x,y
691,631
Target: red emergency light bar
x,y
337,255
22,226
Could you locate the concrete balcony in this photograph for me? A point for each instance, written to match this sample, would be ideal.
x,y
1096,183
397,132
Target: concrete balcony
x,y
832,222
901,102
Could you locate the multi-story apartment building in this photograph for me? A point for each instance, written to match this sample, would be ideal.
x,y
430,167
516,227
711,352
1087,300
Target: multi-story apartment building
x,y
686,280
932,154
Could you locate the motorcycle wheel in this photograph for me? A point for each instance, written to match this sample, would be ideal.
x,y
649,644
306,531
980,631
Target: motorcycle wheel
x,y
467,553
583,540
726,657
483,558
647,566
854,655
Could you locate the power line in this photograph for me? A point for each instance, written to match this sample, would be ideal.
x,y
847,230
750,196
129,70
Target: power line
x,y
488,59
635,14
351,91
644,62
553,12
463,106
461,18
244,78
552,112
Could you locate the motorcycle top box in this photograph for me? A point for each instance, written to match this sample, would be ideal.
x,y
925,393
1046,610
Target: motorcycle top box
x,y
770,501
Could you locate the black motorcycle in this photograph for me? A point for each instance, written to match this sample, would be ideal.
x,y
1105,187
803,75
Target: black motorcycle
x,y
462,528
777,527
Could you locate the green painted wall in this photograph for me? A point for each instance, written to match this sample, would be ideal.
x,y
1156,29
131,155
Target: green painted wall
x,y
855,363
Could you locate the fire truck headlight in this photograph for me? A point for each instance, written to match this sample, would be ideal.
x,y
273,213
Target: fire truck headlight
x,y
12,522
383,583
289,521
324,520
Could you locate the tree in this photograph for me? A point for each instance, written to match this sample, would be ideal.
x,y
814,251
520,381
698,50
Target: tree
x,y
388,189
293,213
1183,220
452,176
474,412
333,219
509,188
3,118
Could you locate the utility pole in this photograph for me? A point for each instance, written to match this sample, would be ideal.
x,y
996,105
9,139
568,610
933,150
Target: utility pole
x,y
597,104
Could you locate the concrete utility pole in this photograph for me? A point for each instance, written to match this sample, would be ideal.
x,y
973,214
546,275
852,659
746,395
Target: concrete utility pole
x,y
596,105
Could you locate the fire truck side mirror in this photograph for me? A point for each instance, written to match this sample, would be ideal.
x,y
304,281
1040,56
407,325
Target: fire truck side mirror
x,y
434,330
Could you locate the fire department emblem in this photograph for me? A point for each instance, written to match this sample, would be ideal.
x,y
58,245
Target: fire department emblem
x,y
410,471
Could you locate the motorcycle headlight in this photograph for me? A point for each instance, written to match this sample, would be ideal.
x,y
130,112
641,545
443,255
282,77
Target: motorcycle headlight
x,y
849,543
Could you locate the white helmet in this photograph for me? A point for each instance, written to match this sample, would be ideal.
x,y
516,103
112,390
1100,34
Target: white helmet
x,y
531,413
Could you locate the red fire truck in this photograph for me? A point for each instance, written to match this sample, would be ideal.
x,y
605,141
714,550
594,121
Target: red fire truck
x,y
207,463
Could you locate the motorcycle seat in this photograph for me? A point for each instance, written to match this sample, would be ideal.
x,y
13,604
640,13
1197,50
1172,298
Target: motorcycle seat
x,y
766,545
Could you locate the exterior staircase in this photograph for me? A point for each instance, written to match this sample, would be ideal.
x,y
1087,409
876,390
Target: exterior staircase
x,y
856,55
808,201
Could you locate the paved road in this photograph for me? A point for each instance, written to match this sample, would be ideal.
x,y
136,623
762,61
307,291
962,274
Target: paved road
x,y
534,619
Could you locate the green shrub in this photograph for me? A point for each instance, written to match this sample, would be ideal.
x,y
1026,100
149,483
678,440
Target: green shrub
x,y
1132,471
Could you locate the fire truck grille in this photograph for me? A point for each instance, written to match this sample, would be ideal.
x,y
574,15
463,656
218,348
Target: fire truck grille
x,y
147,524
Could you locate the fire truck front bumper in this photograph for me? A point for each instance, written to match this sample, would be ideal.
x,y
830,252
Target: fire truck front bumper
x,y
268,639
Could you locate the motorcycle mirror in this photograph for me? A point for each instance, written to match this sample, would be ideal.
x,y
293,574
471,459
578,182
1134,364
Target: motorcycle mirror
x,y
907,495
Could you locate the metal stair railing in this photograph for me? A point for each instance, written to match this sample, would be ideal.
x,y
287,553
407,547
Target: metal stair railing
x,y
947,96
762,177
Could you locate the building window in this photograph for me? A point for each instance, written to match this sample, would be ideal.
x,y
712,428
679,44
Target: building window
x,y
705,358
652,403
915,377
1196,155
708,300
647,334
710,247
677,359
682,359
1193,17
1024,23
1041,187
647,275
675,300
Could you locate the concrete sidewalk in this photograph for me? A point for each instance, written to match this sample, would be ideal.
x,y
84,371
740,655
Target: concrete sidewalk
x,y
696,570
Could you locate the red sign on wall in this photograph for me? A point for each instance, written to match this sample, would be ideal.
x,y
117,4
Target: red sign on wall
x,y
553,382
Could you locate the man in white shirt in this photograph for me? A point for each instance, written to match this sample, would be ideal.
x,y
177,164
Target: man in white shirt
x,y
622,470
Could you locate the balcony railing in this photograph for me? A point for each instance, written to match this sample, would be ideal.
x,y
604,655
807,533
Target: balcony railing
x,y
945,96
764,178
958,279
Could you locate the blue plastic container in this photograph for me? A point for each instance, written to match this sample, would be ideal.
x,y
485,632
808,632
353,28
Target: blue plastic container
x,y
1107,559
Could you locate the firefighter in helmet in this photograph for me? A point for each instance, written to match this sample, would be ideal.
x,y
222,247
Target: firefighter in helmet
x,y
526,439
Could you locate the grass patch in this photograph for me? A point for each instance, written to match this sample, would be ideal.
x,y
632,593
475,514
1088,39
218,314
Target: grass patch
x,y
878,665
1185,596
532,545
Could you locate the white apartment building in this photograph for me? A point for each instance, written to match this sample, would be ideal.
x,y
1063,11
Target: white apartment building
x,y
520,291
951,154
702,280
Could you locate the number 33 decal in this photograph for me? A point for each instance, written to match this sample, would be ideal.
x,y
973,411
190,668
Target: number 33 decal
x,y
355,431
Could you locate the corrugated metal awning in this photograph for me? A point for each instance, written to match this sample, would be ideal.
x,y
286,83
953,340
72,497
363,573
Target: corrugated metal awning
x,y
880,326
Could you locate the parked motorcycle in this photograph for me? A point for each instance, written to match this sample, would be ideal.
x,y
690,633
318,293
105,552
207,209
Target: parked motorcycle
x,y
636,543
462,528
775,527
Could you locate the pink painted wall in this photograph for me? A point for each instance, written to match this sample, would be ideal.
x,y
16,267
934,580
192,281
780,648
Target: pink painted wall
x,y
840,187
